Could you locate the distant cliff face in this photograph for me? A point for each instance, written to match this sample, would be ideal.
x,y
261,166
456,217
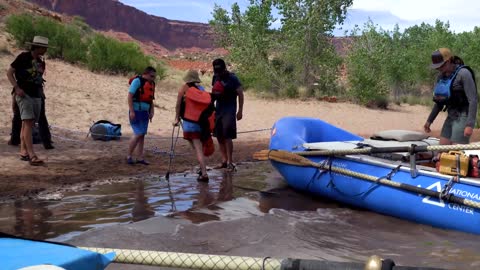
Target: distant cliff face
x,y
111,14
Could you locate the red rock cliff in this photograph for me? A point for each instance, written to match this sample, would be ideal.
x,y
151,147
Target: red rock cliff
x,y
111,14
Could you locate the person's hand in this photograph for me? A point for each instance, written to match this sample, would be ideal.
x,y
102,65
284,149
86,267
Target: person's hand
x,y
239,115
176,122
150,116
468,131
426,127
19,91
132,115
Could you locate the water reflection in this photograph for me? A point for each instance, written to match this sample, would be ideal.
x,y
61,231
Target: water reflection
x,y
118,203
141,208
225,192
31,219
209,194
289,199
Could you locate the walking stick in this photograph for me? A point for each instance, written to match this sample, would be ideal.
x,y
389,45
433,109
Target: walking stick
x,y
172,150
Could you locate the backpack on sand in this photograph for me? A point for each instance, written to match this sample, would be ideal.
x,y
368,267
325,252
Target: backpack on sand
x,y
105,130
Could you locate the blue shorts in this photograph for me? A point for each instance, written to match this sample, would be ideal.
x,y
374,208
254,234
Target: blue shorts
x,y
140,123
191,130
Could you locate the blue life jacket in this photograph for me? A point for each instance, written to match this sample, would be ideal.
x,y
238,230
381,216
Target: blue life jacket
x,y
445,97
442,90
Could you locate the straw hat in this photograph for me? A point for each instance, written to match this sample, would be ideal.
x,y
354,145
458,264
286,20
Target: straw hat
x,y
192,77
39,41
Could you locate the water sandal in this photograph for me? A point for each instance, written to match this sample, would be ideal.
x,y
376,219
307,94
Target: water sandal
x,y
202,178
35,161
221,166
130,161
24,158
231,167
143,162
48,146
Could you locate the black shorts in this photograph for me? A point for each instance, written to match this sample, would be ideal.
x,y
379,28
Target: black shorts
x,y
225,126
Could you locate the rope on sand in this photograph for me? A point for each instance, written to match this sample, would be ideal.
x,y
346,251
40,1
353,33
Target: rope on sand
x,y
155,150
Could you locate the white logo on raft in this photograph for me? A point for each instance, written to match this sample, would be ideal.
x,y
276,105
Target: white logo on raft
x,y
437,186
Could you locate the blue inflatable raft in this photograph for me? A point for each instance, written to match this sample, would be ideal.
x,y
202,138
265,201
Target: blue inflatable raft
x,y
19,253
406,185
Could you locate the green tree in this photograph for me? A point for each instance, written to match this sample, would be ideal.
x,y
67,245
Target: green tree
x,y
248,38
366,65
307,27
298,54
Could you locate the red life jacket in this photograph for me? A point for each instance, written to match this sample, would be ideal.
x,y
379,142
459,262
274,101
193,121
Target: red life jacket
x,y
218,87
146,91
196,102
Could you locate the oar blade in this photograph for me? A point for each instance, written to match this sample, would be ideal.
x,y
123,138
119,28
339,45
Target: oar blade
x,y
261,155
290,158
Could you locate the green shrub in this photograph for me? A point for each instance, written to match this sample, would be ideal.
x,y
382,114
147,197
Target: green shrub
x,y
77,43
111,55
21,27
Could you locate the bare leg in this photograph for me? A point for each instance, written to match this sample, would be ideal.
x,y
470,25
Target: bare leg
x,y
229,150
141,141
132,145
26,137
223,149
197,145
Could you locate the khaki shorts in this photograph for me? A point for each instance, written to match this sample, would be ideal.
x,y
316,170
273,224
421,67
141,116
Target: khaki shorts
x,y
454,127
29,107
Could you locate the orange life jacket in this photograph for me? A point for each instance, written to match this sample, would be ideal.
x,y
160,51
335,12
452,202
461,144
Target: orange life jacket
x,y
196,102
146,91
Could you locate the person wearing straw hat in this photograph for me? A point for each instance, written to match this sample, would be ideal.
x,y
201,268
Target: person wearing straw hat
x,y
26,76
194,106
456,92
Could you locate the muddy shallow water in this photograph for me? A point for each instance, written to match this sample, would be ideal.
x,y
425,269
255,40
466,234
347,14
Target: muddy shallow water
x,y
230,216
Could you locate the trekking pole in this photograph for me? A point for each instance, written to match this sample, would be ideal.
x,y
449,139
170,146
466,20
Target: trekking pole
x,y
172,150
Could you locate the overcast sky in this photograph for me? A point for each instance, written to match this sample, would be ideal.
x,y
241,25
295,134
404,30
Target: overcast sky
x,y
462,14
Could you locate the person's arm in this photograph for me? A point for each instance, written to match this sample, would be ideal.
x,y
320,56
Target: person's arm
x,y
240,103
433,114
131,92
180,95
472,97
152,111
11,78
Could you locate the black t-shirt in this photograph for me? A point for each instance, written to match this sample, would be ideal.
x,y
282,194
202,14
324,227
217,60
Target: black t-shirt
x,y
29,73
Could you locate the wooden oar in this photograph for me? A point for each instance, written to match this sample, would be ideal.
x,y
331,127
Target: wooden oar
x,y
373,150
297,160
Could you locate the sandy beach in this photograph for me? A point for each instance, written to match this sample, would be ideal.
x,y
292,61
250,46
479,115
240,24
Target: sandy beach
x,y
76,98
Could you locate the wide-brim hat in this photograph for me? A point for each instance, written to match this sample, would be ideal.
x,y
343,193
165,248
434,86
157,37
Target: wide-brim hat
x,y
192,77
39,41
440,56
